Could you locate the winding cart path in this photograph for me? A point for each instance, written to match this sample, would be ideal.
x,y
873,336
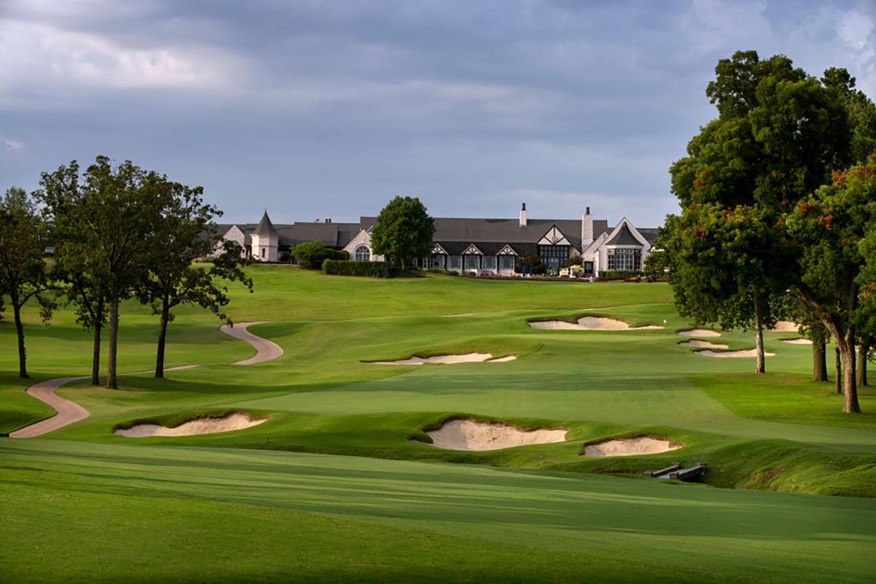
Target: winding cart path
x,y
68,412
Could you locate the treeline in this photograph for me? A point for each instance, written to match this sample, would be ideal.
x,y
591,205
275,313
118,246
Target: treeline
x,y
96,238
778,212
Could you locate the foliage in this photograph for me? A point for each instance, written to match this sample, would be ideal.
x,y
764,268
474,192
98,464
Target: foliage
x,y
349,268
311,254
832,228
403,232
23,273
607,275
530,264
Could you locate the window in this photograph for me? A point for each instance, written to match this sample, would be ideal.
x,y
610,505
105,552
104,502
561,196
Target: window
x,y
455,262
626,260
439,261
506,262
471,262
488,262
362,254
553,256
263,252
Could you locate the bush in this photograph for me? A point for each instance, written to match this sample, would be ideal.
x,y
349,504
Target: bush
x,y
312,254
534,264
362,269
619,275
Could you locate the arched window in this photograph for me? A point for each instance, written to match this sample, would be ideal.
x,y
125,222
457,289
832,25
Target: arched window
x,y
363,254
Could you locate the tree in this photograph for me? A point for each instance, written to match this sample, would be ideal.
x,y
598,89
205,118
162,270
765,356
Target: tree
x,y
105,230
22,269
403,232
834,228
778,136
185,233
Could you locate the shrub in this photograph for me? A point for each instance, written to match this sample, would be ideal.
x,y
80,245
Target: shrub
x,y
362,269
312,254
619,275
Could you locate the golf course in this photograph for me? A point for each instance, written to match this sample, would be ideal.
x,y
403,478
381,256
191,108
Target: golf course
x,y
340,477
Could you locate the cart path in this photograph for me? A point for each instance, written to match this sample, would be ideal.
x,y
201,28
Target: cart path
x,y
265,350
68,412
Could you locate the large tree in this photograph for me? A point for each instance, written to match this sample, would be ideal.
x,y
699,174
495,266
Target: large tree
x,y
186,233
778,136
22,269
403,232
105,228
832,228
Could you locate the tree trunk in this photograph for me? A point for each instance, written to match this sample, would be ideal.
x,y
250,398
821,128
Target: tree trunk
x,y
839,372
162,339
760,366
95,355
819,359
863,350
111,380
850,389
19,330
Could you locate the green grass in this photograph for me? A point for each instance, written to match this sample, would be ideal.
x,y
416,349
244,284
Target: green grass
x,y
333,487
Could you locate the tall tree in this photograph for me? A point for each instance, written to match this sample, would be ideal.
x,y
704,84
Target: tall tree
x,y
403,232
186,233
778,136
108,220
833,228
22,269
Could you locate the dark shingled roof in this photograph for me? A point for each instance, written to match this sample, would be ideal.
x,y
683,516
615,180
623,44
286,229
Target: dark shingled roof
x,y
624,237
265,227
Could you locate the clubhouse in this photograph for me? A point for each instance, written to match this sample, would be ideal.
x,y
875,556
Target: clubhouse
x,y
480,246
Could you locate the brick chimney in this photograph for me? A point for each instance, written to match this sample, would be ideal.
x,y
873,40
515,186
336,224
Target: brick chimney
x,y
523,216
586,229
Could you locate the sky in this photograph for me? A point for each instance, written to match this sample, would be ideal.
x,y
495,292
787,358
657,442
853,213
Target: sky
x,y
317,109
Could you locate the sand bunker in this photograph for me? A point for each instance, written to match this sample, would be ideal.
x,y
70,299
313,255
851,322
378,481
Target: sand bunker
x,y
786,326
630,447
194,427
797,341
702,344
450,359
590,323
732,354
699,333
472,435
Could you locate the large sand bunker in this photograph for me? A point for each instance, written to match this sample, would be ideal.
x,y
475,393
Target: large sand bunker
x,y
797,341
699,332
473,435
450,359
630,447
702,344
732,354
786,326
590,323
205,425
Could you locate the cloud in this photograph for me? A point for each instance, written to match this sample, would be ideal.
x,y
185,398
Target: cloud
x,y
12,145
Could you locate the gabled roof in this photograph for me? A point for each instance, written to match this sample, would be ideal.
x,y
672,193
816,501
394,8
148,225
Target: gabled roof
x,y
626,234
265,227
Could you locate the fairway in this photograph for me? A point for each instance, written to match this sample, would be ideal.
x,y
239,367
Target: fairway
x,y
340,483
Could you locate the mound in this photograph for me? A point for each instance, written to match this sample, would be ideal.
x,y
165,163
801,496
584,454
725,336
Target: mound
x,y
590,323
732,354
206,425
797,341
702,344
472,435
449,359
699,333
630,447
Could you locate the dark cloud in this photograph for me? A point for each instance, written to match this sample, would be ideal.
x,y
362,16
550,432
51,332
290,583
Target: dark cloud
x,y
318,108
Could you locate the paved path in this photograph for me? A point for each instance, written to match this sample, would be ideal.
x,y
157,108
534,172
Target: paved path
x,y
68,412
265,350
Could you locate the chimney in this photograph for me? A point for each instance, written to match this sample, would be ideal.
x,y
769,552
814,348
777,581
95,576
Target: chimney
x,y
523,216
586,229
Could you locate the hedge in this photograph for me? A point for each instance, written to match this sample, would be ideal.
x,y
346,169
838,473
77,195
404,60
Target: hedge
x,y
619,275
348,268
